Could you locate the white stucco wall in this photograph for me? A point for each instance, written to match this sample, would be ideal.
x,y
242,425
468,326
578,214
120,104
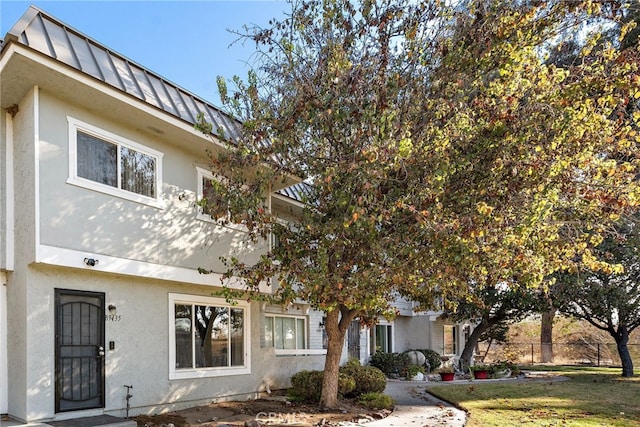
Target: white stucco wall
x,y
81,219
411,333
25,130
141,354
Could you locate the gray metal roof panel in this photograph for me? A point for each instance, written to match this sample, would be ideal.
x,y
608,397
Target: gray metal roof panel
x,y
300,192
43,33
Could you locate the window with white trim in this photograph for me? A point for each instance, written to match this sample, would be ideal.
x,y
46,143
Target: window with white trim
x,y
106,162
208,337
450,341
285,332
210,204
381,339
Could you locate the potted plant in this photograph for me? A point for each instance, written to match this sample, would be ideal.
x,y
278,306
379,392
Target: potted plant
x,y
480,372
447,373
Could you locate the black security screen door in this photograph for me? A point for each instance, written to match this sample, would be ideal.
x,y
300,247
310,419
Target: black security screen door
x,y
79,350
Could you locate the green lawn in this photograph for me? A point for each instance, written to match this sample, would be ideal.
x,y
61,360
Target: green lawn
x,y
591,397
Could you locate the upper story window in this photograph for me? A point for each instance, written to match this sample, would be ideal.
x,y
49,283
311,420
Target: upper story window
x,y
211,205
109,163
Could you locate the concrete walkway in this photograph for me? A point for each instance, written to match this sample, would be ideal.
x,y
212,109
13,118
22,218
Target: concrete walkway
x,y
97,421
415,407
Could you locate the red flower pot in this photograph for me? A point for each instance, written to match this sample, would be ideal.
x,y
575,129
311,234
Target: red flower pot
x,y
447,376
481,375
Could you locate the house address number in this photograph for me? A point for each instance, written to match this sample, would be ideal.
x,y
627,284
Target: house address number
x,y
112,318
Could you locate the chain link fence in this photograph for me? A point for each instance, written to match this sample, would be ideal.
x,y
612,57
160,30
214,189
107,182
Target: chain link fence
x,y
569,353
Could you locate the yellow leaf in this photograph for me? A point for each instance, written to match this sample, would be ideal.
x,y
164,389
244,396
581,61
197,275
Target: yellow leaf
x,y
484,208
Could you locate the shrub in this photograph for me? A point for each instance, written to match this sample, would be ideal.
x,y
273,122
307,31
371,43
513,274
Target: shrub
x,y
346,385
369,379
433,358
390,363
377,401
413,370
307,385
353,362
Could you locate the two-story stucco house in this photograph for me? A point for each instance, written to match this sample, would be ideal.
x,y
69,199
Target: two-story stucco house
x,y
101,239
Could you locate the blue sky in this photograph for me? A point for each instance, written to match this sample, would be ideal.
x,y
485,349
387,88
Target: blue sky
x,y
186,42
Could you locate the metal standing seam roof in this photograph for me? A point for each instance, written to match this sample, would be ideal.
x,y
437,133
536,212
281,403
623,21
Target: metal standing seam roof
x,y
298,192
45,34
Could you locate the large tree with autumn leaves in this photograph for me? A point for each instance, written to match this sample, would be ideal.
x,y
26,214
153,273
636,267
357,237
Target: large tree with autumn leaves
x,y
438,146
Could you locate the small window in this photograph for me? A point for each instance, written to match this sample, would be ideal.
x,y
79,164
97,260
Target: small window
x,y
285,332
275,241
380,339
210,204
209,337
111,164
325,337
450,340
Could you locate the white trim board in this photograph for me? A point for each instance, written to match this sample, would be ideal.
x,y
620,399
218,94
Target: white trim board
x,y
10,197
4,385
108,264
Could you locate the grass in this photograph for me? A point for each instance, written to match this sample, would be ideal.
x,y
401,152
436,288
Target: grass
x,y
590,397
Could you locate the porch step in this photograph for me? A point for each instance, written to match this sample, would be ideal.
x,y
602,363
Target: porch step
x,y
98,421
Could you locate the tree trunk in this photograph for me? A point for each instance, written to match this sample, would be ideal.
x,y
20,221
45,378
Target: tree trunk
x,y
546,335
622,338
470,345
336,327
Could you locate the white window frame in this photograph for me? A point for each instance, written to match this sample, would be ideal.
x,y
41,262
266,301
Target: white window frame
x,y
76,125
212,371
454,334
291,351
372,336
203,173
224,222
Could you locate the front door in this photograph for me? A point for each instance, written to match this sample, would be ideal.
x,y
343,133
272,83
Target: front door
x,y
79,349
353,339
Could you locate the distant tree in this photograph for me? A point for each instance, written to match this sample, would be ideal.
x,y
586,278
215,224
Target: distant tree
x,y
492,309
546,334
440,149
610,301
498,334
622,33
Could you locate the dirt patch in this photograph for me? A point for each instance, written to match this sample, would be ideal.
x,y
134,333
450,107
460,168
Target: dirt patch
x,y
270,411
